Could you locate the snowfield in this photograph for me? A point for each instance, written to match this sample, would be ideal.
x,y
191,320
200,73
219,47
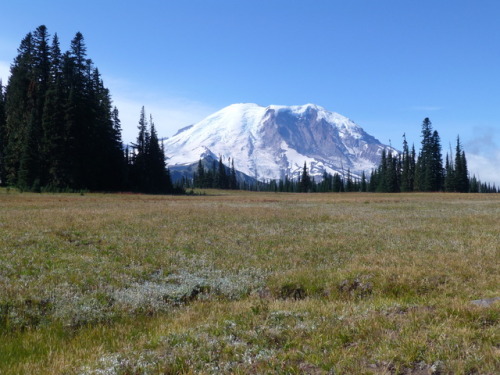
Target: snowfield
x,y
273,142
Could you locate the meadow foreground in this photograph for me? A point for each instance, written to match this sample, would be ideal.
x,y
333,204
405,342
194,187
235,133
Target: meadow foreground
x,y
249,283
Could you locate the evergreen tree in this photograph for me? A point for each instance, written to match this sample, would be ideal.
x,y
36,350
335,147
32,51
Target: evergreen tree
x,y
233,179
429,168
364,185
108,165
221,176
138,174
148,172
77,113
382,174
461,173
210,176
29,168
116,153
41,66
406,167
391,174
54,126
373,183
25,101
200,176
18,108
436,170
449,177
159,175
305,180
423,160
337,183
327,183
2,135
78,53
349,183
412,170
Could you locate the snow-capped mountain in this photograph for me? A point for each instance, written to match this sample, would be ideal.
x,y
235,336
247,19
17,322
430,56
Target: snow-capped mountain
x,y
273,142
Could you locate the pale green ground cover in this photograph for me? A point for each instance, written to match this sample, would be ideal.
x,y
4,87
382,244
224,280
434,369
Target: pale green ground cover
x,y
249,283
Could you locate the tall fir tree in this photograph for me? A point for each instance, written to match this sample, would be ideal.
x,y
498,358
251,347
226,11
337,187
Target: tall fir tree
x,y
139,175
364,185
305,180
349,183
118,163
233,180
18,108
429,167
406,172
461,177
222,181
77,134
436,167
449,177
392,174
413,167
28,86
2,135
381,178
199,178
160,177
148,172
53,124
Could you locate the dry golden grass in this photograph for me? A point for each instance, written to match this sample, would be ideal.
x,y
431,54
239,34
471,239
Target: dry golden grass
x,y
239,282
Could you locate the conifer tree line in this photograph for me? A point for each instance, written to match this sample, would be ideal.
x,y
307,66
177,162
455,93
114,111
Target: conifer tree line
x,y
59,130
335,183
426,171
218,176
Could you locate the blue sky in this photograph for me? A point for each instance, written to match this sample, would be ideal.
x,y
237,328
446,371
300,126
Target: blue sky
x,y
385,64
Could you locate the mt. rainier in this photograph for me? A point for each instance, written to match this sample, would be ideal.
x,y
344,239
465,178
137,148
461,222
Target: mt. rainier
x,y
273,142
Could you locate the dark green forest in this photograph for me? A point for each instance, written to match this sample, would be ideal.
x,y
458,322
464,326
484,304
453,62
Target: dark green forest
x,y
60,132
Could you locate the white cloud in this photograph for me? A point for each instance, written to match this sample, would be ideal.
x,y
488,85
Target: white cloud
x,y
483,154
486,169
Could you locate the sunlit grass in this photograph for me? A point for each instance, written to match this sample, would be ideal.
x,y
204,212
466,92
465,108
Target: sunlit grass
x,y
239,282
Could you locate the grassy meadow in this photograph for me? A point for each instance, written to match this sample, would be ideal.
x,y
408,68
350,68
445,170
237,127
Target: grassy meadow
x,y
249,283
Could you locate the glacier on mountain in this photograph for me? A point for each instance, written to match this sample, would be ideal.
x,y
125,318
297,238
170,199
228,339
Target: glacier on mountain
x,y
273,142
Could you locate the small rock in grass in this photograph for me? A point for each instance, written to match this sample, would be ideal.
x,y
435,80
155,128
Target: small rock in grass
x,y
487,302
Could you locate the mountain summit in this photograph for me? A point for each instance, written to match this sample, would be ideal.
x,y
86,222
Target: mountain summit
x,y
273,142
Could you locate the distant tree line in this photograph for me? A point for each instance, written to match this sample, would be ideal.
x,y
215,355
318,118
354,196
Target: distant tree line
x,y
401,172
59,130
218,176
426,172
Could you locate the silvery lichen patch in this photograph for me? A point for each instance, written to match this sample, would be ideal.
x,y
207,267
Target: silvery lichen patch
x,y
102,303
162,292
232,346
